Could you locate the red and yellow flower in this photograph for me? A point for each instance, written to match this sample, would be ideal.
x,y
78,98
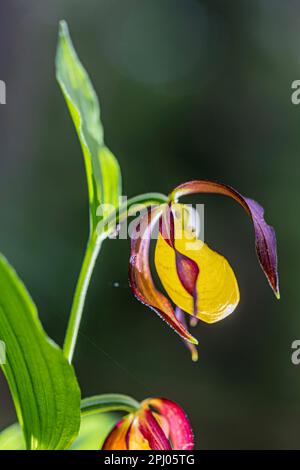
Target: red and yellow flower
x,y
198,280
159,424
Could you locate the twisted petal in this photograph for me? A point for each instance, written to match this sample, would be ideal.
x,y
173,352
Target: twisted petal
x,y
187,269
179,432
197,279
265,238
180,315
140,277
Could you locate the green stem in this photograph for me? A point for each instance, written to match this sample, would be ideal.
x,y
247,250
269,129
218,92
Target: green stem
x,y
91,253
108,224
90,257
108,402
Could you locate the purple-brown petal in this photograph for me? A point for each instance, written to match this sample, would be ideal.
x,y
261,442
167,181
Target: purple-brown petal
x,y
187,269
140,277
265,238
180,315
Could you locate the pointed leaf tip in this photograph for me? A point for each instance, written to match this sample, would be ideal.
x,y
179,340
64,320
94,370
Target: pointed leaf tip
x,y
102,168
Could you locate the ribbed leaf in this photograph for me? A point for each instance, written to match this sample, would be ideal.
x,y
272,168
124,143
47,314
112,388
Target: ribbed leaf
x,y
102,168
42,383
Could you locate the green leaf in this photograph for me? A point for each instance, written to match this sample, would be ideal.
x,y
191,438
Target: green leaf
x,y
42,382
102,168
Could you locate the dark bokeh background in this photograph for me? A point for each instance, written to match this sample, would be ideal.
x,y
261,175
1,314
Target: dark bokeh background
x,y
188,90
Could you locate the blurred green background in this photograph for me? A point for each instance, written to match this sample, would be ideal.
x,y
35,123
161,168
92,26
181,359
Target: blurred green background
x,y
188,89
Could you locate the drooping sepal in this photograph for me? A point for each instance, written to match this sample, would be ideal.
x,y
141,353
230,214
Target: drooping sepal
x,y
265,238
140,277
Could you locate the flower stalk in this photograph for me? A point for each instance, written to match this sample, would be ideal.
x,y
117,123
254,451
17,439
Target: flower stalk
x,y
90,257
108,402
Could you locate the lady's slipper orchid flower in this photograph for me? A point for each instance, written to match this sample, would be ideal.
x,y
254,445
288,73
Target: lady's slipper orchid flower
x,y
198,280
159,424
